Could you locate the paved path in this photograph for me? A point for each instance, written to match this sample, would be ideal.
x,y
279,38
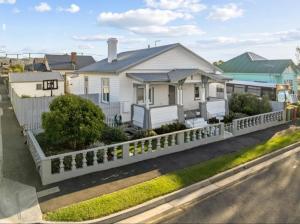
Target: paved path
x,y
271,196
93,185
18,201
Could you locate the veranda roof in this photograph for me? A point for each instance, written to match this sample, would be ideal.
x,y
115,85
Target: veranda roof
x,y
174,76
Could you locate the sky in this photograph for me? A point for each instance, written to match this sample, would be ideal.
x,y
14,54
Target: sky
x,y
214,29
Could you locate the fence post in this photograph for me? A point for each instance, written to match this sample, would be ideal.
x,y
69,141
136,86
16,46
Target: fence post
x,y
45,171
126,151
234,127
180,139
222,130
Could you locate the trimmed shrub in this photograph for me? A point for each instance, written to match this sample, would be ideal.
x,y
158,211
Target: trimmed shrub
x,y
249,104
113,135
73,122
144,134
167,128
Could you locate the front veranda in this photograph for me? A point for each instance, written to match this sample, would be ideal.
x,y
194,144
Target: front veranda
x,y
188,96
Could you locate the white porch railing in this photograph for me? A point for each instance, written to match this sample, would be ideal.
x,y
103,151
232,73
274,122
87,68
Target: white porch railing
x,y
68,165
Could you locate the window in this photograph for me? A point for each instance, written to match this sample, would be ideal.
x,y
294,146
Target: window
x,y
270,93
197,92
105,90
229,89
254,90
220,91
239,89
141,95
39,86
86,84
289,82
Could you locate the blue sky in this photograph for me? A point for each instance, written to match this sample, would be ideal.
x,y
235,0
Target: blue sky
x,y
215,29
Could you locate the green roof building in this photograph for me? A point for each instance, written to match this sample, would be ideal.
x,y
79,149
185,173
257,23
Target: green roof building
x,y
252,67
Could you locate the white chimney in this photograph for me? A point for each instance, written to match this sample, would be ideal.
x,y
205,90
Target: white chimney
x,y
112,49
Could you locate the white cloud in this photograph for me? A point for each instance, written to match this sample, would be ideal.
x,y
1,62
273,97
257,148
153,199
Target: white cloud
x,y
168,31
3,27
73,8
252,39
86,47
16,11
225,12
103,38
43,7
8,2
140,18
180,5
92,38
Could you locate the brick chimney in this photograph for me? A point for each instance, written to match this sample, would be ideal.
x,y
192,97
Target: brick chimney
x,y
74,58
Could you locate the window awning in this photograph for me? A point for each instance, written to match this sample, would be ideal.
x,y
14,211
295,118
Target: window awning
x,y
174,76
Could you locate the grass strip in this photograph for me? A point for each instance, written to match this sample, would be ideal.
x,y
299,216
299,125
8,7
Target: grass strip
x,y
123,199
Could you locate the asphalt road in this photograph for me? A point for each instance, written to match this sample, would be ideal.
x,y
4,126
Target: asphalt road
x,y
272,196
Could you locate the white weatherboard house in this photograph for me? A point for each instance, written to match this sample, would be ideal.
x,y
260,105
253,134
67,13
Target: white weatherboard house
x,y
34,84
154,86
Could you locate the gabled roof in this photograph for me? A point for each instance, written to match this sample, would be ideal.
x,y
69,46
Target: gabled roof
x,y
173,76
129,59
34,76
252,63
63,62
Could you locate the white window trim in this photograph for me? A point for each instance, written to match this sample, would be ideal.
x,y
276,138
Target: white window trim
x,y
151,100
102,92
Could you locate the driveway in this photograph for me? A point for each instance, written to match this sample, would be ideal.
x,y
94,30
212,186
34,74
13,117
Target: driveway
x,y
272,196
17,161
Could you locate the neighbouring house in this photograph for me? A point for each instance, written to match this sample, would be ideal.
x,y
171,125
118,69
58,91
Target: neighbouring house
x,y
154,86
38,65
250,68
67,63
36,84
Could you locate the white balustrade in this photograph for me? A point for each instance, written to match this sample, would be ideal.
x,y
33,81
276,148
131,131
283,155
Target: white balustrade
x,y
60,167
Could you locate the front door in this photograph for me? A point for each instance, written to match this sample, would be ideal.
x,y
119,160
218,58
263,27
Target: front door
x,y
172,92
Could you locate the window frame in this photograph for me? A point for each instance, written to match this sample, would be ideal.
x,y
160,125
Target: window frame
x,y
151,95
198,87
40,86
105,97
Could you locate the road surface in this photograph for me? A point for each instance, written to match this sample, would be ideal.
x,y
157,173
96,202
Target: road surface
x,y
271,196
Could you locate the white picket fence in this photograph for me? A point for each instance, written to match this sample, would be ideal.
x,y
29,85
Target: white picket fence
x,y
29,110
68,165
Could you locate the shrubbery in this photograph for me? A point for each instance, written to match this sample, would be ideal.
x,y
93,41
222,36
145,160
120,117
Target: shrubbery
x,y
144,134
170,128
72,122
249,104
113,135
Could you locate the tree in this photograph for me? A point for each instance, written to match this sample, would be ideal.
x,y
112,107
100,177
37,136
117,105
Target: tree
x,y
73,122
16,68
217,63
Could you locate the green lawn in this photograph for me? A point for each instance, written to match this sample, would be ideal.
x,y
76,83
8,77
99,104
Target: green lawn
x,y
134,195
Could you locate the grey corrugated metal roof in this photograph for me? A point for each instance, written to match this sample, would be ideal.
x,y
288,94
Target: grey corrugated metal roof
x,y
34,76
253,63
149,77
127,59
173,76
63,62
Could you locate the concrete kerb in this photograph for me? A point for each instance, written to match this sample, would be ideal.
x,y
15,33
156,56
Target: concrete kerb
x,y
214,184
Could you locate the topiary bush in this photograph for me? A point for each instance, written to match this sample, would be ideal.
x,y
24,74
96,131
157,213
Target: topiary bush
x,y
113,135
72,122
